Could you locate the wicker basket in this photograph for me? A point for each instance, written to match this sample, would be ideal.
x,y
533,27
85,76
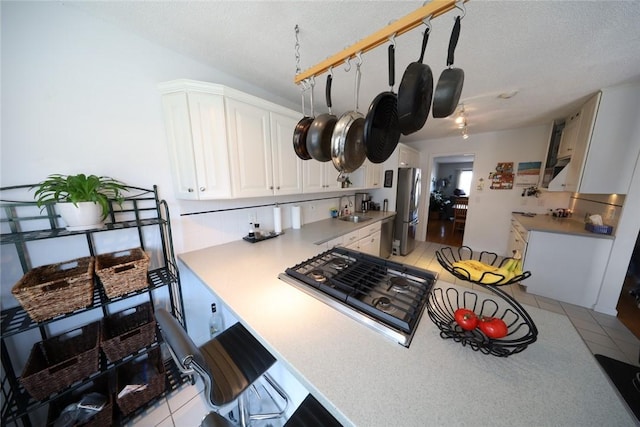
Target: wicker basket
x,y
55,289
147,369
102,418
128,331
123,272
62,360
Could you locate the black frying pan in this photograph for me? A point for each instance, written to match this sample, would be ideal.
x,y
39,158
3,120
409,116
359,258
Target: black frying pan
x,y
300,135
449,88
319,135
381,130
415,93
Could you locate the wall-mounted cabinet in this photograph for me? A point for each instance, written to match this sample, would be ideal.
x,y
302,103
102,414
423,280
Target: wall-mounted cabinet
x,y
569,135
606,143
319,177
197,135
408,157
373,175
224,143
263,162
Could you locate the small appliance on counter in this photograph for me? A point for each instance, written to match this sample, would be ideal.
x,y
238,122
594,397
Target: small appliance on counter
x,y
363,202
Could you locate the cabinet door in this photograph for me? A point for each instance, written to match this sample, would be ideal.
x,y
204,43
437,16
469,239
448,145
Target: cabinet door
x,y
370,244
250,149
313,176
582,143
196,132
287,166
408,157
569,136
615,141
374,175
331,182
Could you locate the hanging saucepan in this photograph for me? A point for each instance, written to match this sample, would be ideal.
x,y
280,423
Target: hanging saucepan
x,y
449,88
415,92
300,133
347,140
381,130
319,136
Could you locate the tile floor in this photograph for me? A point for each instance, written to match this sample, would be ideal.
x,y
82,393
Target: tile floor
x,y
602,333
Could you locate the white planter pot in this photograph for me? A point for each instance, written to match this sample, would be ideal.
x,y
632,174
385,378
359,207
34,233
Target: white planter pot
x,y
85,216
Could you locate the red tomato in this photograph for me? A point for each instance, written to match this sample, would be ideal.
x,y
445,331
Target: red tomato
x,y
493,327
466,318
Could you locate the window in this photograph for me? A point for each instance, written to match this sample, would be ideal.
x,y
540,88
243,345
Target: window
x,y
465,178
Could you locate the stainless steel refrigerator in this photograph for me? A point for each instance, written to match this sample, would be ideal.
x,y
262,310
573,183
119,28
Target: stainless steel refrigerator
x,y
407,208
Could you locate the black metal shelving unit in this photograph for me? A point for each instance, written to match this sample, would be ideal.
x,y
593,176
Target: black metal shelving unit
x,y
22,222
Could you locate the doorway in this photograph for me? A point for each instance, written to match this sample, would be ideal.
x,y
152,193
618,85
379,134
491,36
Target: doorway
x,y
629,302
451,179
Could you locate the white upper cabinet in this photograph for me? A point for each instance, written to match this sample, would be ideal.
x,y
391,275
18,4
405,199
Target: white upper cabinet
x,y
373,175
607,144
319,177
196,131
615,142
263,162
287,166
408,157
228,144
250,149
569,136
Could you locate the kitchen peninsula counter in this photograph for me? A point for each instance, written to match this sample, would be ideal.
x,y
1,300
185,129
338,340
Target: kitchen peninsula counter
x,y
551,224
365,379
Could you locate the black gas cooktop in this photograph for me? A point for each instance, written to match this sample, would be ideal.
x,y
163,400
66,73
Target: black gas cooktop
x,y
388,296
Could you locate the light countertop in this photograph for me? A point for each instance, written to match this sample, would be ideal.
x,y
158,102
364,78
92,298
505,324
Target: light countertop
x,y
365,379
551,224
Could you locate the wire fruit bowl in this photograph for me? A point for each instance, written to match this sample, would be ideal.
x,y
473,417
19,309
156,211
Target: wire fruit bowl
x,y
450,259
443,302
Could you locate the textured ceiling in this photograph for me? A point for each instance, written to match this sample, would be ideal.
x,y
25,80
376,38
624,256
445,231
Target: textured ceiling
x,y
553,53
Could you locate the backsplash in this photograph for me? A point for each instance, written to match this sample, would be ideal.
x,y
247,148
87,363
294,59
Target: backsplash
x,y
609,206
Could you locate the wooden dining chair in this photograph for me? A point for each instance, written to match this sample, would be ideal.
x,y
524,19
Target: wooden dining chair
x,y
459,215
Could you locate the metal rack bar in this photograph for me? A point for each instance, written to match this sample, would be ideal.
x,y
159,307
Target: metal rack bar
x,y
432,9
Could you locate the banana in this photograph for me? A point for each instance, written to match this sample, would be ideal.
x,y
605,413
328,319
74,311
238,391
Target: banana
x,y
517,269
483,273
509,264
480,265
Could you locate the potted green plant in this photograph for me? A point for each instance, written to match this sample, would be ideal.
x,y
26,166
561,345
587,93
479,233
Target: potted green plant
x,y
82,200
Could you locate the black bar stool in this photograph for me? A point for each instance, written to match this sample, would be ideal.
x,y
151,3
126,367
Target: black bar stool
x,y
228,364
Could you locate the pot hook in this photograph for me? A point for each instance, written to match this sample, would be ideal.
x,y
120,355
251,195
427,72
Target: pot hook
x,y
460,5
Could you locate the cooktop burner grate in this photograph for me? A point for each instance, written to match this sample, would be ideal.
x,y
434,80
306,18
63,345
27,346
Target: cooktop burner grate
x,y
384,294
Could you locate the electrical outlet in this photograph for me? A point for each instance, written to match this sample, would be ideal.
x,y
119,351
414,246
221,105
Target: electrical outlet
x,y
312,207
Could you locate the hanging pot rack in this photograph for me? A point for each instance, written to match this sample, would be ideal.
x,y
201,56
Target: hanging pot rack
x,y
430,10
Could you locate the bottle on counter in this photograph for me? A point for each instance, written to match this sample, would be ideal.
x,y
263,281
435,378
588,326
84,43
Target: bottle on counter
x,y
215,322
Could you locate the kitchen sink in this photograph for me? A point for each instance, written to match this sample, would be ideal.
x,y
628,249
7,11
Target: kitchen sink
x,y
354,218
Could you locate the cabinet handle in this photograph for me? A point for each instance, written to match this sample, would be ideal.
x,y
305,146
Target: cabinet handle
x,y
190,190
278,187
271,187
202,188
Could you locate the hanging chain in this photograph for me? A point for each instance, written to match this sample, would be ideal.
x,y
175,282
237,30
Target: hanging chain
x,y
297,50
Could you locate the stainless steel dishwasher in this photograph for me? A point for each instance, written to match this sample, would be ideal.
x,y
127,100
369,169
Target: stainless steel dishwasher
x,y
386,237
